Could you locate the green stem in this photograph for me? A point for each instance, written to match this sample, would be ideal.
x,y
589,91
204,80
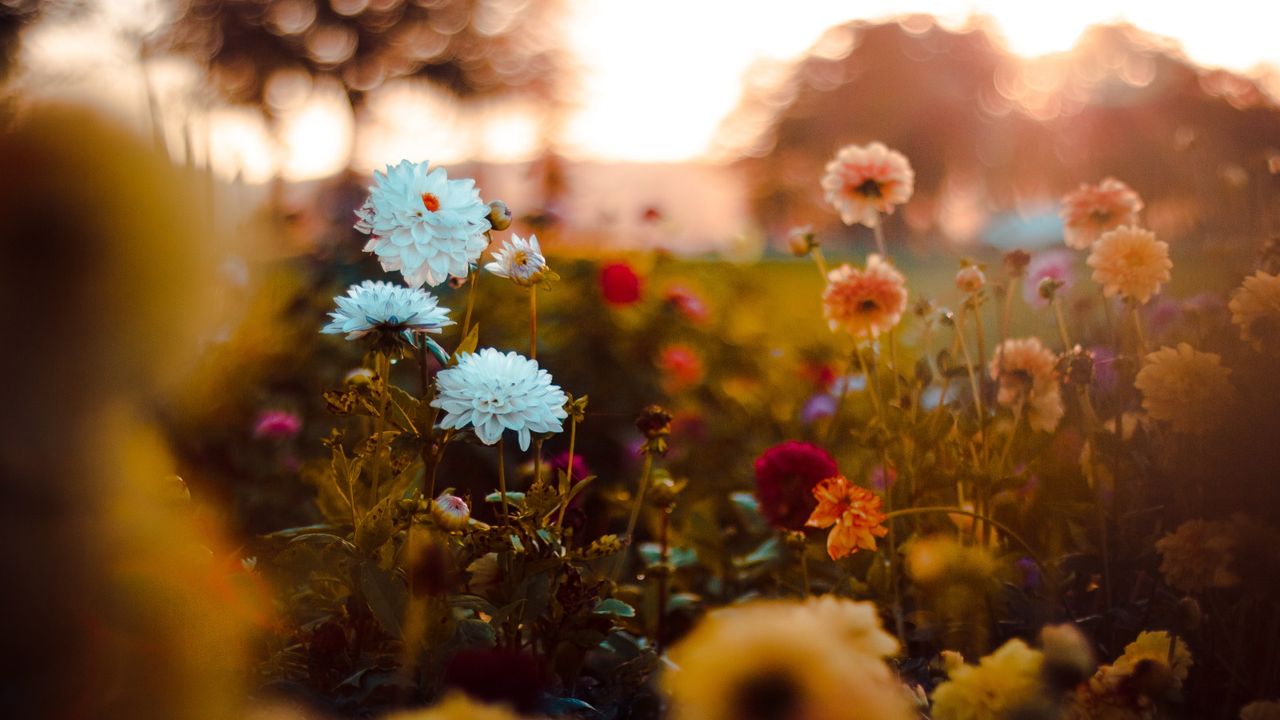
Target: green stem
x,y
502,479
533,322
473,280
635,513
567,481
820,261
1138,332
384,374
1062,323
878,228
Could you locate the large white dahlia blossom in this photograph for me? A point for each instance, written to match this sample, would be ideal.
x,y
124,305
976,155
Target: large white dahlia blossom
x,y
492,392
387,309
423,224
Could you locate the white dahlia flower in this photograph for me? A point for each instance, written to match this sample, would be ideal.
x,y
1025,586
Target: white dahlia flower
x,y
381,307
520,261
492,392
423,224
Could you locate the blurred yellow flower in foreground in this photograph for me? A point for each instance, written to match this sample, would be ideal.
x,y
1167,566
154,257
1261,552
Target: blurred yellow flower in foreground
x,y
1256,309
816,660
457,707
1000,685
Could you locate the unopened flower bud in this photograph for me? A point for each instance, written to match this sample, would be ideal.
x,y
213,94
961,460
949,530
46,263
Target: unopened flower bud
x,y
359,378
1049,287
970,279
1016,261
499,215
663,491
1187,614
450,512
1068,655
1076,366
655,424
801,241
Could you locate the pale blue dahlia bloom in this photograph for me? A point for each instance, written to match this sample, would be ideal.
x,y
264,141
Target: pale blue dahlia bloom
x,y
381,307
494,392
422,224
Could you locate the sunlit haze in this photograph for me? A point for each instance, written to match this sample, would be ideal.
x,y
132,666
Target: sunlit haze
x,y
653,81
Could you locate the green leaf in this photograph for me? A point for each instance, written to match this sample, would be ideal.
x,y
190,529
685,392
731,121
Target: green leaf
x,y
378,525
475,632
614,606
513,498
468,344
767,551
556,706
386,595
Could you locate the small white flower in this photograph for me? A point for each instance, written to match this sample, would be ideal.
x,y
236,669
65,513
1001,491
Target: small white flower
x,y
493,392
423,224
520,261
376,306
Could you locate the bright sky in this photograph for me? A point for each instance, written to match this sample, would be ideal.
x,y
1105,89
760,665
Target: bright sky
x,y
656,77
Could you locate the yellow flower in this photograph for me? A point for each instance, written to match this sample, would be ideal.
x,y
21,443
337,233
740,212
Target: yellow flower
x,y
784,659
1256,309
1261,710
857,623
1154,647
1131,263
940,558
456,707
1185,387
852,513
1025,369
999,686
864,303
1198,555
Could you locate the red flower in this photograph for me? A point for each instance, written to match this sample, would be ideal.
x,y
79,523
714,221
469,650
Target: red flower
x,y
681,367
619,283
785,477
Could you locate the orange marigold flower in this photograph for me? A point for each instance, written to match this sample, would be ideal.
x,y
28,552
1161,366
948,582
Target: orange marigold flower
x,y
1092,210
853,514
867,302
1130,262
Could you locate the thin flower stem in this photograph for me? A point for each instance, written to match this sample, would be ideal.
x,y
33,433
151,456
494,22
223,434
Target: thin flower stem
x,y
472,280
1111,320
384,374
871,383
1139,334
502,479
841,385
567,481
893,365
533,322
820,261
1062,323
1006,313
635,513
663,577
973,380
878,228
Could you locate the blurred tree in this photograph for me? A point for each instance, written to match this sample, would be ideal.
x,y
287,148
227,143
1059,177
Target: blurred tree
x,y
474,48
989,132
